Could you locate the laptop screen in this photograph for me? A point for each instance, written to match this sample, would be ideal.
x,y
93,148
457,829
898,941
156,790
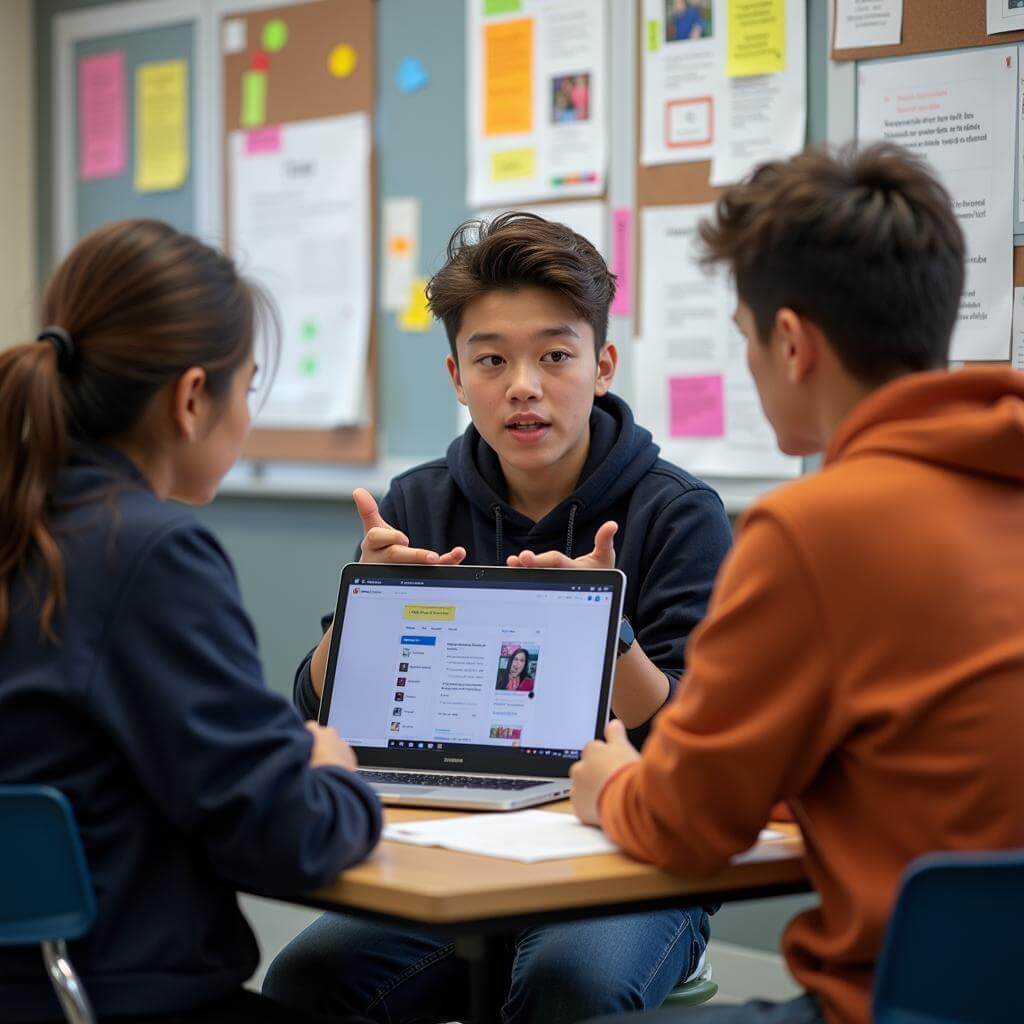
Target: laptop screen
x,y
471,666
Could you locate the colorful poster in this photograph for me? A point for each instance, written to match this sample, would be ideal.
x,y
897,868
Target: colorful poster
x,y
537,120
300,225
101,116
161,126
694,390
953,111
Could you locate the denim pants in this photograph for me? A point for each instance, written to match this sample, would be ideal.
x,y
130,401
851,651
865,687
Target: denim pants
x,y
558,973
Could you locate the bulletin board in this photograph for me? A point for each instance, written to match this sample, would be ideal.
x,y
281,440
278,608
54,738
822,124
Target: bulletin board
x,y
302,87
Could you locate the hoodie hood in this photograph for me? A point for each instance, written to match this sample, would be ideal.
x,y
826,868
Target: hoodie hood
x,y
969,420
620,454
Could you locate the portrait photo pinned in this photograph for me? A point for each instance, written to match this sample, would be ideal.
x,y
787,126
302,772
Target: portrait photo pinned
x,y
687,19
570,98
517,667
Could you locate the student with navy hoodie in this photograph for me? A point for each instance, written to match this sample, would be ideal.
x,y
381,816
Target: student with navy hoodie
x,y
553,471
129,677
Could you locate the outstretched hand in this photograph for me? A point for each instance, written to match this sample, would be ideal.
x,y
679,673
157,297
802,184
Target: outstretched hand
x,y
383,543
602,557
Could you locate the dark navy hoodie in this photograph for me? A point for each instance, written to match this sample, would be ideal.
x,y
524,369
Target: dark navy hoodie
x,y
673,531
189,779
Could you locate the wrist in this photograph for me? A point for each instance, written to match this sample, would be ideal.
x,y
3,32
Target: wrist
x,y
606,785
627,637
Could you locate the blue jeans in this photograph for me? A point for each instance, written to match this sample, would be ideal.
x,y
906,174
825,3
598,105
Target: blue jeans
x,y
559,973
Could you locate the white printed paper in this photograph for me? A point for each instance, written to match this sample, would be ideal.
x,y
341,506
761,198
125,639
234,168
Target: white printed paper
x,y
764,117
233,35
300,225
693,387
587,217
1017,348
868,23
1004,16
953,112
400,250
536,103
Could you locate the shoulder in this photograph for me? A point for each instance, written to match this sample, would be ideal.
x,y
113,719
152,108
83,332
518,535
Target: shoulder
x,y
426,475
665,484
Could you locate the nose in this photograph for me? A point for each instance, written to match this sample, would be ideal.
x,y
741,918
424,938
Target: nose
x,y
524,383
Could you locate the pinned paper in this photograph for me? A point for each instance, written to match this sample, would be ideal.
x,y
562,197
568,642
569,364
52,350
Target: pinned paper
x,y
234,36
263,140
254,99
492,7
275,35
513,163
161,120
101,116
416,316
508,77
401,229
653,35
756,37
622,261
696,406
342,61
411,75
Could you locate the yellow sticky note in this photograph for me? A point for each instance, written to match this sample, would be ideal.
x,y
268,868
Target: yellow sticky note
x,y
416,315
254,99
508,77
511,164
756,37
342,61
161,126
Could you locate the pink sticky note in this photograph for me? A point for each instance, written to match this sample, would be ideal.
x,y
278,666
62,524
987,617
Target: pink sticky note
x,y
696,406
101,115
263,140
622,261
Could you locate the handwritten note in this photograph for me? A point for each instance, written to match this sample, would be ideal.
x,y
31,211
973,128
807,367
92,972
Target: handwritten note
x,y
161,133
101,116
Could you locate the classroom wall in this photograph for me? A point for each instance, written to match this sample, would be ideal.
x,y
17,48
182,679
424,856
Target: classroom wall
x,y
17,172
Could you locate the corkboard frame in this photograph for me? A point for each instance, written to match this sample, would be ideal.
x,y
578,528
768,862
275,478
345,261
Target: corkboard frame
x,y
931,26
302,88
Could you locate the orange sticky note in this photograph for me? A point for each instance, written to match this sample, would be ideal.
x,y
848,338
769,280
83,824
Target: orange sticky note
x,y
508,77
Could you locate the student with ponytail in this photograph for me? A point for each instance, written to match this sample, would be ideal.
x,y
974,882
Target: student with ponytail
x,y
129,677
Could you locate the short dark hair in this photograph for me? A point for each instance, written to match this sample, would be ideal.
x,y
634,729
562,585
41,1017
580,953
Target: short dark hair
x,y
862,242
521,250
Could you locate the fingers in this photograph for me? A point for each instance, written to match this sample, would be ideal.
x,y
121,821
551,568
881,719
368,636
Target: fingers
x,y
454,557
366,506
548,560
380,537
604,550
615,732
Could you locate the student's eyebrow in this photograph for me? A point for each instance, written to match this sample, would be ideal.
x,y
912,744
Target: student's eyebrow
x,y
554,331
557,331
484,336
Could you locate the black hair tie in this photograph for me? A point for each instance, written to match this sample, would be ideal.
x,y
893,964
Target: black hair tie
x,y
67,353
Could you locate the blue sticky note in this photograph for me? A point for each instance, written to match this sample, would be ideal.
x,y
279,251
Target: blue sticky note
x,y
411,75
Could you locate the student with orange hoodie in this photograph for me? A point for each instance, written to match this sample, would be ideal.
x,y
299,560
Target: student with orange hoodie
x,y
863,653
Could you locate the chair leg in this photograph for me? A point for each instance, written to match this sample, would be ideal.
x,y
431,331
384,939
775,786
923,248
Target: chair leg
x,y
73,1000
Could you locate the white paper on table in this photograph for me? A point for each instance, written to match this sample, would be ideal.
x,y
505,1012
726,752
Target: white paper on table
x,y
527,836
764,117
693,352
953,112
1017,348
587,217
558,148
1002,16
868,23
300,226
400,250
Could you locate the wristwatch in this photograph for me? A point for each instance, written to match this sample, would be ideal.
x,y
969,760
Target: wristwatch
x,y
627,635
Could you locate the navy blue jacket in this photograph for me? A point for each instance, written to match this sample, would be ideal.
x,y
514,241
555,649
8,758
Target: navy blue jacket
x,y
673,531
189,779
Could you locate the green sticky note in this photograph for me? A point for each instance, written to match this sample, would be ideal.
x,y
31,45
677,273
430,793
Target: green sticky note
x,y
275,35
309,330
653,34
492,7
309,367
254,99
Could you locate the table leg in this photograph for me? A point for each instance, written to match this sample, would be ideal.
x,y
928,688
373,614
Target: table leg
x,y
486,960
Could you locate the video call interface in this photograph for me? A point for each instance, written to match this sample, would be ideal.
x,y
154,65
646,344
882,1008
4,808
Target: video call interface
x,y
514,666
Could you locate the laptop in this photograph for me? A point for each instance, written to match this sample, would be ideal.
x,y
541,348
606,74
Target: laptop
x,y
471,687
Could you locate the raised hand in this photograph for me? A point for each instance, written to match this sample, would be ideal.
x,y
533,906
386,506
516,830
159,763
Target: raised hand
x,y
383,543
602,557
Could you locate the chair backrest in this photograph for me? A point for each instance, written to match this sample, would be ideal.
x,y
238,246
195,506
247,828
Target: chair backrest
x,y
45,889
954,950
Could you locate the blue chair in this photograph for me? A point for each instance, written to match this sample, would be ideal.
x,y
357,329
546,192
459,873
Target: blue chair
x,y
45,891
955,944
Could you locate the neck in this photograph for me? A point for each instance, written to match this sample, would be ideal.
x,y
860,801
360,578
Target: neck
x,y
155,469
535,492
842,398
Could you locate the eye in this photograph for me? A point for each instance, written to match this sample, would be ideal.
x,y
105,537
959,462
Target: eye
x,y
490,361
556,357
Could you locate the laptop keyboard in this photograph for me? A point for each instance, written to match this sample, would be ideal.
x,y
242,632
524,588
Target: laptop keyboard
x,y
451,781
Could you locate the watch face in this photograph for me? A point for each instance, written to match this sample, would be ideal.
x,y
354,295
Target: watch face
x,y
626,635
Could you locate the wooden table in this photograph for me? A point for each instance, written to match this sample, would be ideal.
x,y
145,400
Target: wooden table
x,y
481,901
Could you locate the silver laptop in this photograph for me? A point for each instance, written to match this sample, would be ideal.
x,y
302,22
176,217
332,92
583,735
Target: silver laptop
x,y
471,687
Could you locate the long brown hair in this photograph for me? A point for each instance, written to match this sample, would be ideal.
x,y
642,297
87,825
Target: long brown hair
x,y
142,303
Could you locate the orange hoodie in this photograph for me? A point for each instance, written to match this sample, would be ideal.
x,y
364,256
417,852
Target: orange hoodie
x,y
863,659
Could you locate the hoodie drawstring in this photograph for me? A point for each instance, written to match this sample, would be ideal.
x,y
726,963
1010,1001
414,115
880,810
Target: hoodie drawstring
x,y
573,509
498,545
496,510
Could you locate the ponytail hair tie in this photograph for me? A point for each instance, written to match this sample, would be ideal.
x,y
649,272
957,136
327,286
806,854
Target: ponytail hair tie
x,y
67,353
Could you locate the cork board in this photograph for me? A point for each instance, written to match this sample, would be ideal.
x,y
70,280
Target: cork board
x,y
930,26
303,88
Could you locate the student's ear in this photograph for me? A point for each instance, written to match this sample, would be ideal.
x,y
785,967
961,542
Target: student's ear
x,y
189,401
607,363
797,342
453,372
